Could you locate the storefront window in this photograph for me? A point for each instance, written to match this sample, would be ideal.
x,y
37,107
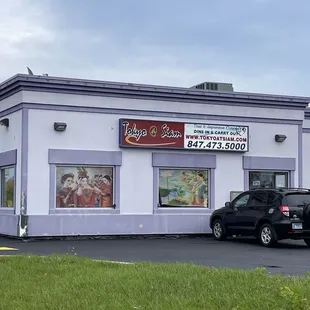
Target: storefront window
x,y
7,187
84,187
267,179
183,188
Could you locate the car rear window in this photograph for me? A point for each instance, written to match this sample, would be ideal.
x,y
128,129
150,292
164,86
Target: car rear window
x,y
297,199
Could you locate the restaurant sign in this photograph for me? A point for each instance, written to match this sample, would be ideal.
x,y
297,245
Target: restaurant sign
x,y
175,135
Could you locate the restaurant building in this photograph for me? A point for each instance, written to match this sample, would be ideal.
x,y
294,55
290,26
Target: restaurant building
x,y
81,157
306,149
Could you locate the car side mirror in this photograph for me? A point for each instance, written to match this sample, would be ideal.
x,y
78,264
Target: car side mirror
x,y
228,204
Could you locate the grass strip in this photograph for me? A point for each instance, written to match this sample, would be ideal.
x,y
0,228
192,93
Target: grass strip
x,y
70,282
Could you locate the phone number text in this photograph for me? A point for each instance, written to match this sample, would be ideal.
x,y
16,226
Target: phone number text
x,y
215,145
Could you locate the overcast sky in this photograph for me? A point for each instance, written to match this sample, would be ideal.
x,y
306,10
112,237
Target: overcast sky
x,y
258,45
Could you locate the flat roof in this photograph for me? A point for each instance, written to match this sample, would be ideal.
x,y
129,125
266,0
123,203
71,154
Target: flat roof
x,y
143,91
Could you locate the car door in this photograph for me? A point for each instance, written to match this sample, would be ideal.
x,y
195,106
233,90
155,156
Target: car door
x,y
233,218
255,209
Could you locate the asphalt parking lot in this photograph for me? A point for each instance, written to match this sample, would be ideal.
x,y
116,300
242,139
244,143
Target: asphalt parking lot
x,y
288,258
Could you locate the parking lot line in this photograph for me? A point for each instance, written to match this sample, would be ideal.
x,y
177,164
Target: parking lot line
x,y
4,248
95,260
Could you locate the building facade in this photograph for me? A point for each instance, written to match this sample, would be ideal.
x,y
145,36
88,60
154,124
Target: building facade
x,y
82,157
306,149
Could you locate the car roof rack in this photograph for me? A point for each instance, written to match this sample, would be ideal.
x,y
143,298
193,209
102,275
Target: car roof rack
x,y
293,189
282,189
265,188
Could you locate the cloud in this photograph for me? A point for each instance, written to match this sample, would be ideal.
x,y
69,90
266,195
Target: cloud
x,y
25,35
252,44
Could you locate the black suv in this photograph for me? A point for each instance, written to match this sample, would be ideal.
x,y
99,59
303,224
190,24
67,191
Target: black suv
x,y
267,214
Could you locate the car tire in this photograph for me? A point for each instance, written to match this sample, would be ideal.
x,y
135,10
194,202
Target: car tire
x,y
218,230
267,235
307,242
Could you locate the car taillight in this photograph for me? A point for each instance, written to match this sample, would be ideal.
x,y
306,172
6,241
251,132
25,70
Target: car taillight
x,y
285,210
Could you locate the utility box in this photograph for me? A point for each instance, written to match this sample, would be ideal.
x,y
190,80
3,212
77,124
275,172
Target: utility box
x,y
234,194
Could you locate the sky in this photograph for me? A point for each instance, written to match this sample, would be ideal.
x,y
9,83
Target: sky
x,y
259,46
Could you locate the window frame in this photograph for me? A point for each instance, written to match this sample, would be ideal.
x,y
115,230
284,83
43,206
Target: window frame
x,y
184,207
274,172
83,158
89,166
9,159
183,161
2,179
261,163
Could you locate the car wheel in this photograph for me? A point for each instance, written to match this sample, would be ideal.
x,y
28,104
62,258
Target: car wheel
x,y
267,235
218,230
307,241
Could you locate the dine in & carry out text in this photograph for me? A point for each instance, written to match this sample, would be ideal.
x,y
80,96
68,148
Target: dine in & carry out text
x,y
216,137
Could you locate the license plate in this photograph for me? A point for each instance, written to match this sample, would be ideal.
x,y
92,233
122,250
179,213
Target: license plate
x,y
297,226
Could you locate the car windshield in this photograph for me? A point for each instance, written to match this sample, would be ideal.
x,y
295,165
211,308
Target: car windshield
x,y
297,199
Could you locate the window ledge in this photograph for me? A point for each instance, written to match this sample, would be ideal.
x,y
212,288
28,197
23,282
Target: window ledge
x,y
189,210
7,210
85,211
